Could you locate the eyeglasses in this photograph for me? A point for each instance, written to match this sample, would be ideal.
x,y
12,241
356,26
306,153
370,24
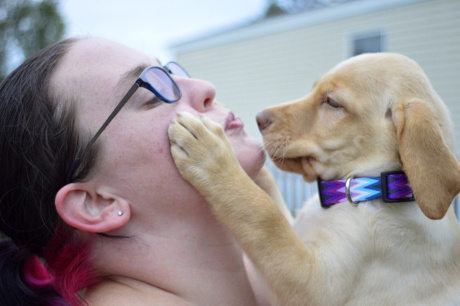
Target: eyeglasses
x,y
154,78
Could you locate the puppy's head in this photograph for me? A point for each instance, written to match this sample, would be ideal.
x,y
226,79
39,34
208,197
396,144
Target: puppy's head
x,y
371,113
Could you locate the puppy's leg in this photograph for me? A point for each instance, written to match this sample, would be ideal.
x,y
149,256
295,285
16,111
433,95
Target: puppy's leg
x,y
205,158
266,181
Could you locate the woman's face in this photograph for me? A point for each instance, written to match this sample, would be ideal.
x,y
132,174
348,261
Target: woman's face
x,y
135,155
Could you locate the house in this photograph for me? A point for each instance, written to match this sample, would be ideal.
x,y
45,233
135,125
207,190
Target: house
x,y
273,60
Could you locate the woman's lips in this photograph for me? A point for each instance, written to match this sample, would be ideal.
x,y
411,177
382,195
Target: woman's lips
x,y
233,122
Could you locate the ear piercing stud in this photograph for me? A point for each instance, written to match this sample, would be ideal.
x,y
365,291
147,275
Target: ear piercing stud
x,y
120,213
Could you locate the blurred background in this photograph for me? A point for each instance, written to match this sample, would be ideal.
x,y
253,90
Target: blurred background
x,y
256,52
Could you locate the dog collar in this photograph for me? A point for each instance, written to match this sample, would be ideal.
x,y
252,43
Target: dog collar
x,y
391,187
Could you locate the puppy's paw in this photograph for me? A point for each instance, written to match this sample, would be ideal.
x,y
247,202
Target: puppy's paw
x,y
201,150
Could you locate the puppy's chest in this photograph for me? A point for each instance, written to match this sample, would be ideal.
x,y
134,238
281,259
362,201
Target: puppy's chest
x,y
383,283
384,253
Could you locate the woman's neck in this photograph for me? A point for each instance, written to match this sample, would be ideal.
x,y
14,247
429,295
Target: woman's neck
x,y
194,260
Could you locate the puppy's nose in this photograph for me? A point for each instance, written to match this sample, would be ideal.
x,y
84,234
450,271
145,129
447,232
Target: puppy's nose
x,y
263,120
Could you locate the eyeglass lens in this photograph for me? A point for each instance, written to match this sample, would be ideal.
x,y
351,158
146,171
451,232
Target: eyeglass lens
x,y
162,83
176,69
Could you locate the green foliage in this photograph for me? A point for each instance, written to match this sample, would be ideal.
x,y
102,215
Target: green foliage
x,y
274,10
26,26
281,7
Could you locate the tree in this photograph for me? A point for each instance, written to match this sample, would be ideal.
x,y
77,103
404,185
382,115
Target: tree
x,y
26,26
274,9
280,7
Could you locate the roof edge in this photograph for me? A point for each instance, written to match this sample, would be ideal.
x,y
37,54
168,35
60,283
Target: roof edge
x,y
288,22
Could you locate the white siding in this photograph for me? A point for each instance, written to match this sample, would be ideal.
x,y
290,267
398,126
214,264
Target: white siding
x,y
253,73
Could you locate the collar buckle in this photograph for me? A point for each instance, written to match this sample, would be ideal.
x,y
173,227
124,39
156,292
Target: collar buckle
x,y
395,177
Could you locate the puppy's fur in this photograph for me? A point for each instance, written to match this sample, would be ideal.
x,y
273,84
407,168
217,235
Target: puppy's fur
x,y
369,114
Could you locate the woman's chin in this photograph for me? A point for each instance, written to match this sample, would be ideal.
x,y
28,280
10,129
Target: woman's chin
x,y
250,154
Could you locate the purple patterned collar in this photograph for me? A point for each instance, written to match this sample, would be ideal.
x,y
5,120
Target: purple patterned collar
x,y
391,187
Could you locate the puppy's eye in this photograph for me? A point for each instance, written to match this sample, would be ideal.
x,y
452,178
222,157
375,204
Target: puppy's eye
x,y
331,102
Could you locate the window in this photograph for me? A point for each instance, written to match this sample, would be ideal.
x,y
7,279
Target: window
x,y
367,43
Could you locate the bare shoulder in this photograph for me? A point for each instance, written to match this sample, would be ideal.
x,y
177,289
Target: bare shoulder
x,y
110,292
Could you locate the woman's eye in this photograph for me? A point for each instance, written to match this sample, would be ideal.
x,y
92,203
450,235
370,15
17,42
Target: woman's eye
x,y
154,101
332,103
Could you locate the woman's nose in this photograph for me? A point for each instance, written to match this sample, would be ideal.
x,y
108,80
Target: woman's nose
x,y
200,94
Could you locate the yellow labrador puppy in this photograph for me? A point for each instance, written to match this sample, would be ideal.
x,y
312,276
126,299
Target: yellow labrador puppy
x,y
369,115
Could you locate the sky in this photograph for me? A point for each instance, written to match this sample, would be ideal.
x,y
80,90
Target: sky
x,y
151,26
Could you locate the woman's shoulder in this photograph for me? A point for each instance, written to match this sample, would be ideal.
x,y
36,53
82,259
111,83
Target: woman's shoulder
x,y
110,292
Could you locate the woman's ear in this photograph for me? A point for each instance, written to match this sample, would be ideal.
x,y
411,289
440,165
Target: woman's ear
x,y
91,210
432,169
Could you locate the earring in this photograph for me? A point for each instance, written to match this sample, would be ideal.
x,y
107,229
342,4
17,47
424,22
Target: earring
x,y
120,213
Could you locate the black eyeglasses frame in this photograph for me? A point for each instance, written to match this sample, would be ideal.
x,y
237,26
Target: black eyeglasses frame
x,y
142,81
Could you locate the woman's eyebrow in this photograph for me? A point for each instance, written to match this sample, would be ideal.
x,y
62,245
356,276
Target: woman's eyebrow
x,y
129,75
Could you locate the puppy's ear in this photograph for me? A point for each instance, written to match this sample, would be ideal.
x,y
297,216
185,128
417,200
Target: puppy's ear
x,y
432,169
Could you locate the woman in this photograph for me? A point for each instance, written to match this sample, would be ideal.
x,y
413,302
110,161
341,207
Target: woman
x,y
114,217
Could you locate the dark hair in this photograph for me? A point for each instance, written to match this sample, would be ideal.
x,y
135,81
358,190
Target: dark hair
x,y
39,142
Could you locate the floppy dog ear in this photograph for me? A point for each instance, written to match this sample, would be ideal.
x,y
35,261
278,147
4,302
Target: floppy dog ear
x,y
432,169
